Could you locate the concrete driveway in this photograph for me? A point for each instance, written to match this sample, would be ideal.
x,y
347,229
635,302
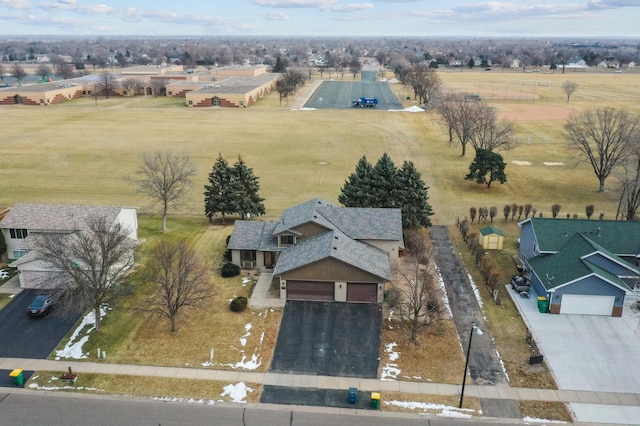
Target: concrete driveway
x,y
587,352
329,339
24,337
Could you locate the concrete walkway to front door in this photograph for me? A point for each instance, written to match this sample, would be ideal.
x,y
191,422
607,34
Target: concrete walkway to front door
x,y
260,296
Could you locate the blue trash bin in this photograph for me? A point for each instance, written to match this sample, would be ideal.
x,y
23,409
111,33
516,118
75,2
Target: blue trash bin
x,y
353,396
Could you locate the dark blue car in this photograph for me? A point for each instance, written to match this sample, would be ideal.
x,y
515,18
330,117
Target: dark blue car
x,y
40,306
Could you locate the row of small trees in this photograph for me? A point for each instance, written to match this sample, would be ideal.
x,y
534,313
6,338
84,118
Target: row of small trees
x,y
386,186
508,211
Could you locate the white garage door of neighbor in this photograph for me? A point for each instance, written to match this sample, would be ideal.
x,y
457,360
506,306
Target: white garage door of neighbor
x,y
586,305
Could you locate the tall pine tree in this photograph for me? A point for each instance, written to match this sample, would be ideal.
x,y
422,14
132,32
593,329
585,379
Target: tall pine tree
x,y
247,202
384,184
414,199
356,190
219,194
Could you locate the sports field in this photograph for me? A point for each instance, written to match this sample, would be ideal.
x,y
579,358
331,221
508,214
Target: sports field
x,y
80,152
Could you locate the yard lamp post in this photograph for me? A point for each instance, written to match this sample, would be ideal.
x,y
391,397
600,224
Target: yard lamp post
x,y
466,363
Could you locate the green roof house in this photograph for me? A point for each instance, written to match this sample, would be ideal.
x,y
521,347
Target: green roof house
x,y
582,267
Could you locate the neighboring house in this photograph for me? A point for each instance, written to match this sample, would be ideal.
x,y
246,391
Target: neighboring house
x,y
581,266
27,220
491,238
319,251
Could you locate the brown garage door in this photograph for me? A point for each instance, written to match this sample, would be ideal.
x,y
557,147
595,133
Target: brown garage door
x,y
362,292
310,290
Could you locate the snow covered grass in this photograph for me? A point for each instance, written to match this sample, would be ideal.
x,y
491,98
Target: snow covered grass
x,y
80,336
158,388
390,371
437,409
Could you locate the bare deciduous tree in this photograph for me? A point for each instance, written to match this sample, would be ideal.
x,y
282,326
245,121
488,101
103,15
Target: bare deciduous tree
x,y
417,299
604,137
87,266
18,72
131,86
179,280
460,117
424,81
555,209
165,178
2,72
489,132
569,87
43,70
158,86
629,187
107,83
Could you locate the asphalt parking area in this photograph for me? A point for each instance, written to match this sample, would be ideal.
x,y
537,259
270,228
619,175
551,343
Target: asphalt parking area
x,y
338,94
22,336
329,339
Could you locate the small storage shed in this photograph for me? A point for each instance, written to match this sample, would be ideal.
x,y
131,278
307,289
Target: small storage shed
x,y
491,238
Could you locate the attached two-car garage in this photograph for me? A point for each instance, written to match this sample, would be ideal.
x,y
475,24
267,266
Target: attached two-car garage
x,y
331,291
581,304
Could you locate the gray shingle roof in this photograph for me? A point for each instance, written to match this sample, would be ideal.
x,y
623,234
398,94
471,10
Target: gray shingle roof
x,y
366,223
253,235
336,245
54,217
300,214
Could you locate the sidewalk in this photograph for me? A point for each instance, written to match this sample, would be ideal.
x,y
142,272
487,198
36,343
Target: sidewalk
x,y
328,382
259,297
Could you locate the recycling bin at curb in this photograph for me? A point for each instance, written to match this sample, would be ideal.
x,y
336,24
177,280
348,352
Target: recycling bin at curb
x,y
543,304
353,395
17,376
375,400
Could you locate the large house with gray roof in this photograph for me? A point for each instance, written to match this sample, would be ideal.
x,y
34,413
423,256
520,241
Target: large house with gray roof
x,y
25,221
581,266
319,251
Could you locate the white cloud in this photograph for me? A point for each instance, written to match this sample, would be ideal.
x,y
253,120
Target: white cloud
x,y
275,16
16,4
285,4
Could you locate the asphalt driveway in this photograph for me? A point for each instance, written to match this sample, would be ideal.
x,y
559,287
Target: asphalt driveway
x,y
587,352
22,336
329,339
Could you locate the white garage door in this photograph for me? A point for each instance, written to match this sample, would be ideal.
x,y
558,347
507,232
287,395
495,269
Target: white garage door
x,y
586,305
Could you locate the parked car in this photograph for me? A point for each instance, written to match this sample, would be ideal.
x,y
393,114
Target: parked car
x,y
40,306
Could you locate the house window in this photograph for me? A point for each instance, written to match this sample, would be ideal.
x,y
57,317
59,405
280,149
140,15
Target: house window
x,y
190,102
18,234
248,258
287,240
216,101
17,254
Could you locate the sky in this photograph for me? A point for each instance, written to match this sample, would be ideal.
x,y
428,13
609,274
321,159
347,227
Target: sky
x,y
526,18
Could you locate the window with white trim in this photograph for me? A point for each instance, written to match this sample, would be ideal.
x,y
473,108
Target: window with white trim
x,y
17,233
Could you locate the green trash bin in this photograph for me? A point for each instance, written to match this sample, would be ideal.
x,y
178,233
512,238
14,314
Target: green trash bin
x,y
375,400
17,376
543,304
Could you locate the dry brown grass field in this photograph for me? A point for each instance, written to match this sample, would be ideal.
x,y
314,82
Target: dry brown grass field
x,y
78,152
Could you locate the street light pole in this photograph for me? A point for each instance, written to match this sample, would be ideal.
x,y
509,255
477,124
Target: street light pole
x,y
466,364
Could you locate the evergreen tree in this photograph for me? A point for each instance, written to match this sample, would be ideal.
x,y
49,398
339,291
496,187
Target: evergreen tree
x,y
279,66
247,202
487,167
414,199
219,194
356,190
385,188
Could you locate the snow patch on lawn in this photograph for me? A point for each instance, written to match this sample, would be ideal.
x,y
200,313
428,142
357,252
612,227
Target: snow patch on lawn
x,y
443,410
187,400
445,299
552,163
476,292
521,163
237,392
34,385
80,336
534,420
390,372
247,329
